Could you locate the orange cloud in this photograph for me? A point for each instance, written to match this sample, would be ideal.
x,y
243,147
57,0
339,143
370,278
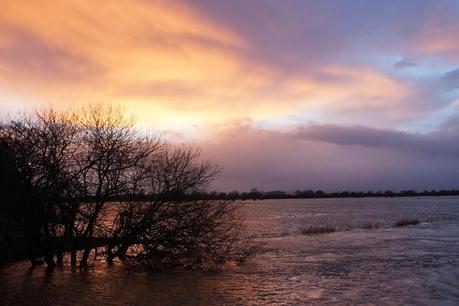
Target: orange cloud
x,y
126,41
166,62
352,87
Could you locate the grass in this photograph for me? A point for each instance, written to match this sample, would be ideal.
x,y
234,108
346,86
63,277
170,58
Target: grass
x,y
406,222
317,229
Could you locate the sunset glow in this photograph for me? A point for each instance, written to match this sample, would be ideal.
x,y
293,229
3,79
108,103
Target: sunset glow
x,y
281,94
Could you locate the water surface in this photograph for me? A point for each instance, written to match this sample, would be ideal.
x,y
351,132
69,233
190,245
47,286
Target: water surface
x,y
417,265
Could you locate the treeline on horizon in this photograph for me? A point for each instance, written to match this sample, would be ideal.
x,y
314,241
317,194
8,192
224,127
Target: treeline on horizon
x,y
255,194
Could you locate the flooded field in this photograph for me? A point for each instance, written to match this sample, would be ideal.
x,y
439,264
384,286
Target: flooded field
x,y
365,261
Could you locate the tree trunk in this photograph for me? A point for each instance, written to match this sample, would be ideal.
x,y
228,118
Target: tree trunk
x,y
84,258
110,257
73,258
60,258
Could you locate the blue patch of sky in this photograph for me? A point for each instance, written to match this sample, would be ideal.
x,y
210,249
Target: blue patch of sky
x,y
426,67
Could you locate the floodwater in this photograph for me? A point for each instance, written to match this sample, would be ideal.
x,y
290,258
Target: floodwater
x,y
360,263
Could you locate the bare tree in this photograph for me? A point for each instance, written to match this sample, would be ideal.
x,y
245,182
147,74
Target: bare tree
x,y
113,161
98,182
169,228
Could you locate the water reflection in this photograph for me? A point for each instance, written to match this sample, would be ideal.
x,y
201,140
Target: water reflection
x,y
413,265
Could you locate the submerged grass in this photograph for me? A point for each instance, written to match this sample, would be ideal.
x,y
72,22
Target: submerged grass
x,y
371,225
327,229
317,229
406,222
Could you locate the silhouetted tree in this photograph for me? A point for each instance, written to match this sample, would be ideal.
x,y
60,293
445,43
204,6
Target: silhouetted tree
x,y
84,173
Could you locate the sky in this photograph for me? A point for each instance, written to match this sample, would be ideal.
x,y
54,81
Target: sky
x,y
331,95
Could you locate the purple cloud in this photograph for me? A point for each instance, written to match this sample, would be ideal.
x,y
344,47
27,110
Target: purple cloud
x,y
404,63
452,78
333,158
438,143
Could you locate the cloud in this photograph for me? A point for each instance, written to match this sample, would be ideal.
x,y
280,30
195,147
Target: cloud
x,y
30,66
97,49
433,144
404,63
332,158
189,67
438,34
196,63
451,78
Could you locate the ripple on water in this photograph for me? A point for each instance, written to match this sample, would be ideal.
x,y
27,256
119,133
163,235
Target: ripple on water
x,y
416,265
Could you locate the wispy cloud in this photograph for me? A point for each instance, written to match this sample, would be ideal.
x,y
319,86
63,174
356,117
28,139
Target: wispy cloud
x,y
404,63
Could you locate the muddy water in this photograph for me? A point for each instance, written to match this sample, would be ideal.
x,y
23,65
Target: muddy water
x,y
358,264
